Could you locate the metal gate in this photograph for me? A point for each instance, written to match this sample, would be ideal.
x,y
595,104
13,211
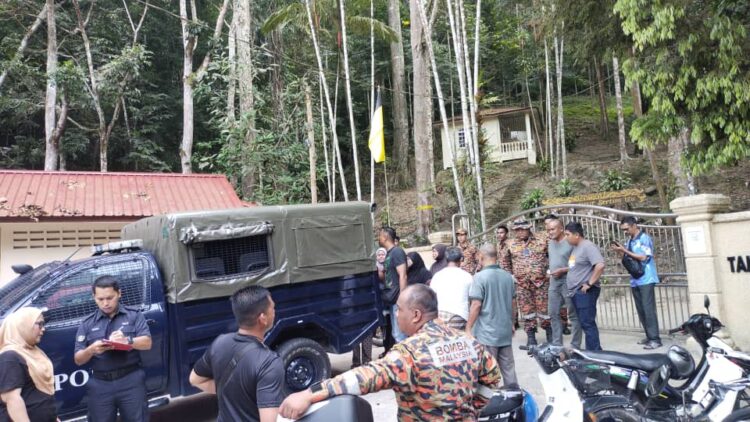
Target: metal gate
x,y
616,309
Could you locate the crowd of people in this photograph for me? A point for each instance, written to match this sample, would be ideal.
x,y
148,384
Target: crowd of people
x,y
450,331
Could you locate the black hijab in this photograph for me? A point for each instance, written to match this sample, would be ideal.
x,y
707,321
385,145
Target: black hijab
x,y
417,273
440,261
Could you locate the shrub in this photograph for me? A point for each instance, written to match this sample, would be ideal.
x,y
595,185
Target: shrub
x,y
614,180
532,199
566,187
542,164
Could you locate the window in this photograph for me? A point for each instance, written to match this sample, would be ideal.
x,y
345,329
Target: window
x,y
71,299
219,258
461,138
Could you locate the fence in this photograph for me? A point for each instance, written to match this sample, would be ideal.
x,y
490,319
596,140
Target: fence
x,y
616,309
513,150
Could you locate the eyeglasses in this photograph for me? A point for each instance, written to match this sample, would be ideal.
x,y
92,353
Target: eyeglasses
x,y
460,234
39,324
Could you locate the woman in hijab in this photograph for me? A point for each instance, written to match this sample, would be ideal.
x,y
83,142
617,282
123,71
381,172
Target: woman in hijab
x,y
417,272
27,386
438,253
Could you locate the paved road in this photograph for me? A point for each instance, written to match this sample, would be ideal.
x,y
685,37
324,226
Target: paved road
x,y
202,408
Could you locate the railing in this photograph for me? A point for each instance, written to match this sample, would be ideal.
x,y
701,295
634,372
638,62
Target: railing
x,y
513,150
616,309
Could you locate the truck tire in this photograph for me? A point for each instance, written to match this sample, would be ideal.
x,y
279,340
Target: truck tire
x,y
305,363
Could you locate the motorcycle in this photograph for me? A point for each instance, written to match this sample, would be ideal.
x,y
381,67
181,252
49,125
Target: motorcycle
x,y
614,386
503,406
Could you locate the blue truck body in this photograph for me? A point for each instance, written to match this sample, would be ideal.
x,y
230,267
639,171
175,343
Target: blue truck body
x,y
329,315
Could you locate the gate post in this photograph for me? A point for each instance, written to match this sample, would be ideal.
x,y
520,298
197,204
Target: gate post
x,y
696,218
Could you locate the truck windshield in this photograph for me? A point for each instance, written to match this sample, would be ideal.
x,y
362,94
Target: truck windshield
x,y
22,285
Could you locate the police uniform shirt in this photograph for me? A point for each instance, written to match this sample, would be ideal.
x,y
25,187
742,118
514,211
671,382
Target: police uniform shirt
x,y
255,382
99,326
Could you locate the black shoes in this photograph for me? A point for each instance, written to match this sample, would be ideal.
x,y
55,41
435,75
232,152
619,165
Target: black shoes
x,y
531,341
548,332
566,330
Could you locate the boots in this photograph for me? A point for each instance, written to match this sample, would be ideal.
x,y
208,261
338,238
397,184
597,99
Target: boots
x,y
531,333
548,331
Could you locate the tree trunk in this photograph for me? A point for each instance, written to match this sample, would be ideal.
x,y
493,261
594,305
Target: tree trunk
x,y
245,76
232,77
421,41
603,116
472,90
401,175
458,46
277,75
189,76
676,148
25,40
324,137
311,146
50,152
331,116
188,44
422,116
638,111
560,114
93,88
350,106
620,115
550,143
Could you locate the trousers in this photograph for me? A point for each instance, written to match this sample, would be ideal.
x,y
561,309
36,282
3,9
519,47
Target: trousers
x,y
645,305
585,304
504,357
126,395
532,301
560,300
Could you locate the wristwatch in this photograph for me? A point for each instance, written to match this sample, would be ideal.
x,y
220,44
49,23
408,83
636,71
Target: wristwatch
x,y
316,387
130,340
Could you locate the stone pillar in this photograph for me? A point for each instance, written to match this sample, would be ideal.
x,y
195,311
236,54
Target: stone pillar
x,y
695,216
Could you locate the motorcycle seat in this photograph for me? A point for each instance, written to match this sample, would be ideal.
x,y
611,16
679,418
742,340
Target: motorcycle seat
x,y
646,362
502,402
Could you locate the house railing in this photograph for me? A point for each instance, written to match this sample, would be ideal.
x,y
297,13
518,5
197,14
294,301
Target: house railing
x,y
513,150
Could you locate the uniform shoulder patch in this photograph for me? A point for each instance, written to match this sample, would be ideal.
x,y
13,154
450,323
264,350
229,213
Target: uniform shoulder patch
x,y
452,351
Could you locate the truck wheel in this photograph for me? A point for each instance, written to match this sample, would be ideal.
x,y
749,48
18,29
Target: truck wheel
x,y
305,362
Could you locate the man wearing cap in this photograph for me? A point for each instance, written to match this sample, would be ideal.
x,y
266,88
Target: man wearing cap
x,y
526,258
470,263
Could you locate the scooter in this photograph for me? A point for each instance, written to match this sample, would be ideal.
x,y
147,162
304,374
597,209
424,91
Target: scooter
x,y
606,385
503,406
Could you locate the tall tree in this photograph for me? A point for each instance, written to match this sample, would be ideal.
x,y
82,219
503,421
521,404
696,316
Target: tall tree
x,y
402,176
25,40
620,114
350,106
50,102
190,28
245,79
693,63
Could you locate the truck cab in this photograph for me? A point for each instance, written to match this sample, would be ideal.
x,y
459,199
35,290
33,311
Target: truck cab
x,y
180,269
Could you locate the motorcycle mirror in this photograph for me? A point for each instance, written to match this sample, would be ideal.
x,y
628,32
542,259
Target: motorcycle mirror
x,y
706,302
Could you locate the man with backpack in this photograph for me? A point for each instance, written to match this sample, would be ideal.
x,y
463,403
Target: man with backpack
x,y
243,372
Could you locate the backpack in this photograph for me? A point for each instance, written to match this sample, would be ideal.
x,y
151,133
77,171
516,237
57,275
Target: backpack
x,y
634,267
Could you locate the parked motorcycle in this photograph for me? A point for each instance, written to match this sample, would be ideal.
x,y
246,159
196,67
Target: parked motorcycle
x,y
614,386
503,406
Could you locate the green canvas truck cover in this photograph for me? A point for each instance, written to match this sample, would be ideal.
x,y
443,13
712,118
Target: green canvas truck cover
x,y
207,254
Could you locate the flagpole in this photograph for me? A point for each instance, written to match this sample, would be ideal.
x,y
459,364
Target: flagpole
x,y
387,198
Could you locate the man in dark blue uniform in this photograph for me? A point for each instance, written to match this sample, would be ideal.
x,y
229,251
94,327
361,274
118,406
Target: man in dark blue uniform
x,y
111,338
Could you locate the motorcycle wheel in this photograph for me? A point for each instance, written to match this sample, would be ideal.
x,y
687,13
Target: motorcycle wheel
x,y
742,415
615,414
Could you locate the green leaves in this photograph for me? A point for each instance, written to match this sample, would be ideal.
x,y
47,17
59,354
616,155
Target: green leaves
x,y
693,65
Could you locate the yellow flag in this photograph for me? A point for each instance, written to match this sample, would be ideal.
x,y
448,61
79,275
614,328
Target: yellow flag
x,y
377,139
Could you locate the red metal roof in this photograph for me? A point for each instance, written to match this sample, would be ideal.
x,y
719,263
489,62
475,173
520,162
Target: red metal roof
x,y
53,194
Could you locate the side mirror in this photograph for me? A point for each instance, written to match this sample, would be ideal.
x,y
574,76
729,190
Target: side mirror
x,y
21,269
373,207
706,302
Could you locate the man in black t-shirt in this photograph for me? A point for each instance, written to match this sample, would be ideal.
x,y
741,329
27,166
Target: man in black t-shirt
x,y
393,275
246,375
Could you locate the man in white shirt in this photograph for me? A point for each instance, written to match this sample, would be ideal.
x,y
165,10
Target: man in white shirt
x,y
451,284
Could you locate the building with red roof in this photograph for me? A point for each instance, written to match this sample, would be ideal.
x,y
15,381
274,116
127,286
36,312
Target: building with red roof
x,y
46,216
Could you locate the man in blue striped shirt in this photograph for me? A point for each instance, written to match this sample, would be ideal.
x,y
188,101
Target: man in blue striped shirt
x,y
640,247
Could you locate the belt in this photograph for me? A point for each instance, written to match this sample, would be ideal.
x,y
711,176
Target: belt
x,y
116,374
